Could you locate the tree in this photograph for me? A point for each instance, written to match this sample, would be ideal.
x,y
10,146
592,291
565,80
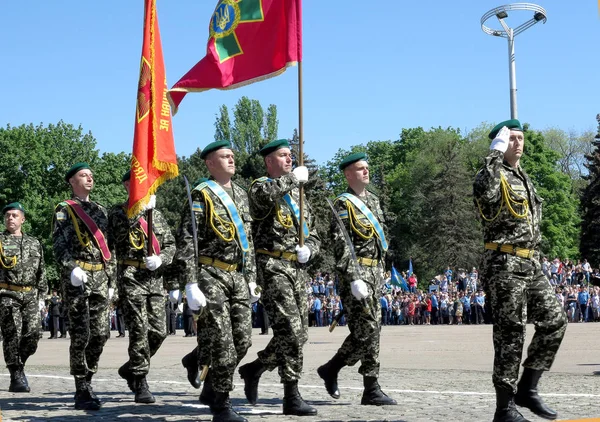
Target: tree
x,y
590,205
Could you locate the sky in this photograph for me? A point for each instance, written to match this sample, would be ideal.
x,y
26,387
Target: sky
x,y
370,69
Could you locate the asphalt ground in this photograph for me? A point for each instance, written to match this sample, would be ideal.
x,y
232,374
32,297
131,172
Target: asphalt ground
x,y
436,373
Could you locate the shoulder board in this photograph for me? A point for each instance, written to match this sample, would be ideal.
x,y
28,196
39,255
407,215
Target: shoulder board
x,y
260,180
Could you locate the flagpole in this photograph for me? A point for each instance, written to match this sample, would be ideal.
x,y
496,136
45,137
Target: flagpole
x,y
301,154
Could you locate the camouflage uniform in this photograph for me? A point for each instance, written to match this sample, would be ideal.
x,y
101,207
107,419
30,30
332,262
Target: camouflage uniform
x,y
282,280
140,290
88,309
225,325
21,287
515,284
364,322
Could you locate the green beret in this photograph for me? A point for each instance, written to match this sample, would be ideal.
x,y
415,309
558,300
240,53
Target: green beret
x,y
511,124
274,146
13,206
126,176
214,146
352,158
75,168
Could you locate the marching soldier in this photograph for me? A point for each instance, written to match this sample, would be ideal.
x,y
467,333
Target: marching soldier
x,y
226,273
140,286
87,270
363,219
280,261
22,288
511,211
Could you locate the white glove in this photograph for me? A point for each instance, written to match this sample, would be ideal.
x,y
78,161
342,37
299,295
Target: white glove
x,y
151,203
111,293
41,304
301,173
359,289
78,277
174,296
195,298
254,295
303,253
500,142
153,262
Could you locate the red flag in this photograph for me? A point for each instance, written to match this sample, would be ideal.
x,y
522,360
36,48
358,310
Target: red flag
x,y
154,159
249,40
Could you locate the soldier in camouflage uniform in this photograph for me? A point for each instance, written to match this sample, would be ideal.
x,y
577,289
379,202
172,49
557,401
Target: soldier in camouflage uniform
x,y
225,273
511,211
281,273
140,286
22,287
87,271
364,221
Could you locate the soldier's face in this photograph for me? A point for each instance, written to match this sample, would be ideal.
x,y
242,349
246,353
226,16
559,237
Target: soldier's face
x,y
13,220
515,146
83,180
279,162
126,186
357,173
221,162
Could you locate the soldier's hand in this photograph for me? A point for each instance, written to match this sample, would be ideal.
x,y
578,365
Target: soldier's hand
x,y
500,142
41,304
78,277
153,262
195,297
254,295
111,293
359,289
151,203
301,173
174,296
303,253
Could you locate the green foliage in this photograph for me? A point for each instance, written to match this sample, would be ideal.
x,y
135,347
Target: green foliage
x,y
590,205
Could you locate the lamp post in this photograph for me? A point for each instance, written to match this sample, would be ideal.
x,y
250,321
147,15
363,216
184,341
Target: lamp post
x,y
501,12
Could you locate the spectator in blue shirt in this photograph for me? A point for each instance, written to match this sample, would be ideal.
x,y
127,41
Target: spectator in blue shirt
x,y
480,303
384,310
583,298
317,310
434,308
464,299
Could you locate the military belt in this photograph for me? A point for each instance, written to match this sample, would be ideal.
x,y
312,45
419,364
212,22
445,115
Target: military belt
x,y
288,256
14,288
367,262
132,263
510,249
213,262
87,266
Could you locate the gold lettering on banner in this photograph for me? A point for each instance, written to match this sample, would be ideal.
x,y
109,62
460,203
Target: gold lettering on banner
x,y
165,111
138,171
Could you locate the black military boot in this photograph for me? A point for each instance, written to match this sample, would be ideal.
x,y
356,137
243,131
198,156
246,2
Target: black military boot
x,y
372,394
207,395
190,363
505,407
527,394
293,403
329,374
222,411
83,398
125,373
141,390
251,373
18,382
88,379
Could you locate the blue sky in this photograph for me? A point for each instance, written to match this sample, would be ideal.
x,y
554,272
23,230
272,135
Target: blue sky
x,y
370,69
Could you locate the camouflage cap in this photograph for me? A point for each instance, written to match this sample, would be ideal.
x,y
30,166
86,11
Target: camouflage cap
x,y
13,206
273,146
214,146
513,124
75,168
352,158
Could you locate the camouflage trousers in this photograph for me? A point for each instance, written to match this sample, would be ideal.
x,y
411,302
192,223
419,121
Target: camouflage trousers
x,y
517,287
284,298
20,323
225,325
145,319
364,322
88,316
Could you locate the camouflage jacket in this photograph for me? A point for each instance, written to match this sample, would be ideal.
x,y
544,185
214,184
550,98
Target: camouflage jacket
x,y
217,238
275,227
366,243
66,244
509,206
129,243
22,262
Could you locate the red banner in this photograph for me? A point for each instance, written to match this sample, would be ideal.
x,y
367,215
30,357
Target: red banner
x,y
249,40
154,160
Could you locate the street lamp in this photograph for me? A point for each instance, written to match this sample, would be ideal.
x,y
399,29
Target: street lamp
x,y
501,13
